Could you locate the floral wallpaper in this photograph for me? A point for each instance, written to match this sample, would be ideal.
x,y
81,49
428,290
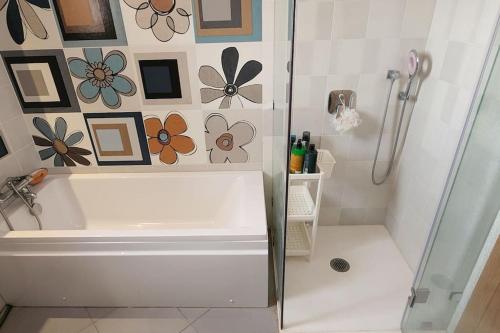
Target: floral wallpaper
x,y
100,77
227,143
57,144
163,18
140,82
167,140
232,87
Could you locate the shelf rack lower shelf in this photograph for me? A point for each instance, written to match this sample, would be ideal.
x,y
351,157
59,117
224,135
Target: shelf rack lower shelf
x,y
298,241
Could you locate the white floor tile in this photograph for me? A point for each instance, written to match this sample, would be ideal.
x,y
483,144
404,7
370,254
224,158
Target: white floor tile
x,y
192,314
371,296
46,320
237,321
142,320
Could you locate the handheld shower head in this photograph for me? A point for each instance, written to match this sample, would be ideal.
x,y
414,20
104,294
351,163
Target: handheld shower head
x,y
413,63
413,69
393,75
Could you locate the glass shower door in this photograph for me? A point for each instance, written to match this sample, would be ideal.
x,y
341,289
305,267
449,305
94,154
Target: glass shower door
x,y
468,215
283,46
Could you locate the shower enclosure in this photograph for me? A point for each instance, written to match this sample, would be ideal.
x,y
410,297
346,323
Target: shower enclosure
x,y
469,202
468,210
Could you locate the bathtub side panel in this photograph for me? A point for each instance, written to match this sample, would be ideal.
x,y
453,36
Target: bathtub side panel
x,y
172,280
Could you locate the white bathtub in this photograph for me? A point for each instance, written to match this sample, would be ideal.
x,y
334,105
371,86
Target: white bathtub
x,y
162,239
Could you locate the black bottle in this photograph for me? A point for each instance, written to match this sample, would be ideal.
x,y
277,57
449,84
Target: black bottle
x,y
306,139
310,159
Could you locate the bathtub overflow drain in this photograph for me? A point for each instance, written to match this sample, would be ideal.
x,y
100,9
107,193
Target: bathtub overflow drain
x,y
340,265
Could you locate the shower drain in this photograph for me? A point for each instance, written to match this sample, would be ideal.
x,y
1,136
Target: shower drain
x,y
340,265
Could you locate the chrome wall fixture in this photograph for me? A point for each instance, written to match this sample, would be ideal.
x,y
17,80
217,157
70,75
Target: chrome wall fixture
x,y
339,100
394,75
19,187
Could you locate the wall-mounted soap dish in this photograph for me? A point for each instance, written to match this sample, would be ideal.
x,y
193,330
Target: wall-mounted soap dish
x,y
339,100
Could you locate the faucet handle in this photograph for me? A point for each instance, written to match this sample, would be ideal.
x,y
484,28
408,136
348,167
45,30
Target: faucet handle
x,y
19,183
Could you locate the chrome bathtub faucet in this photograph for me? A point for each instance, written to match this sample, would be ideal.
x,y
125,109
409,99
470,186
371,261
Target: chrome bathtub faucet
x,y
19,187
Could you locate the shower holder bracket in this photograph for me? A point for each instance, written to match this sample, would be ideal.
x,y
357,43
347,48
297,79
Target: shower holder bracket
x,y
419,295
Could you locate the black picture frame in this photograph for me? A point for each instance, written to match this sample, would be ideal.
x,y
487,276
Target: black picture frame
x,y
56,61
56,74
174,77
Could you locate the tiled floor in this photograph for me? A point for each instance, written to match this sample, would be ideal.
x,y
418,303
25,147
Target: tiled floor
x,y
140,320
371,296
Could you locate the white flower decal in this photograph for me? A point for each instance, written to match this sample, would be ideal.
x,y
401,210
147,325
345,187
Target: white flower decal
x,y
225,143
164,17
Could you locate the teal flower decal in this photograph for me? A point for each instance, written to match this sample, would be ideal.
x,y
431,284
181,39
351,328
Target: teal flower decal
x,y
57,143
102,77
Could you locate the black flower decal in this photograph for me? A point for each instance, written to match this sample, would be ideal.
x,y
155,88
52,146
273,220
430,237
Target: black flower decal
x,y
231,87
22,17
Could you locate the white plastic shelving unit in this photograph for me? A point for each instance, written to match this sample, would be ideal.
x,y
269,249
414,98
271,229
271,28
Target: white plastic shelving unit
x,y
304,198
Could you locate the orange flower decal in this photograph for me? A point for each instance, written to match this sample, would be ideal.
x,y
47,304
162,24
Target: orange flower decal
x,y
166,139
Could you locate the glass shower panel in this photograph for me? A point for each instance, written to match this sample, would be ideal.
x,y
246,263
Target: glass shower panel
x,y
283,37
471,208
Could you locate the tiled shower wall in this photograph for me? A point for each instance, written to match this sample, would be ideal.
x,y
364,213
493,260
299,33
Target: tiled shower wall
x,y
458,42
350,44
21,156
136,41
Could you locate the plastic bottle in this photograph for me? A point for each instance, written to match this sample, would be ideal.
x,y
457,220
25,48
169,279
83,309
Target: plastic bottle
x,y
297,158
293,138
306,139
310,159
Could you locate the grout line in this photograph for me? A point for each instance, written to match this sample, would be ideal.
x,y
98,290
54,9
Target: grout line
x,y
182,314
88,314
197,318
188,326
86,327
95,320
91,322
96,329
187,320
